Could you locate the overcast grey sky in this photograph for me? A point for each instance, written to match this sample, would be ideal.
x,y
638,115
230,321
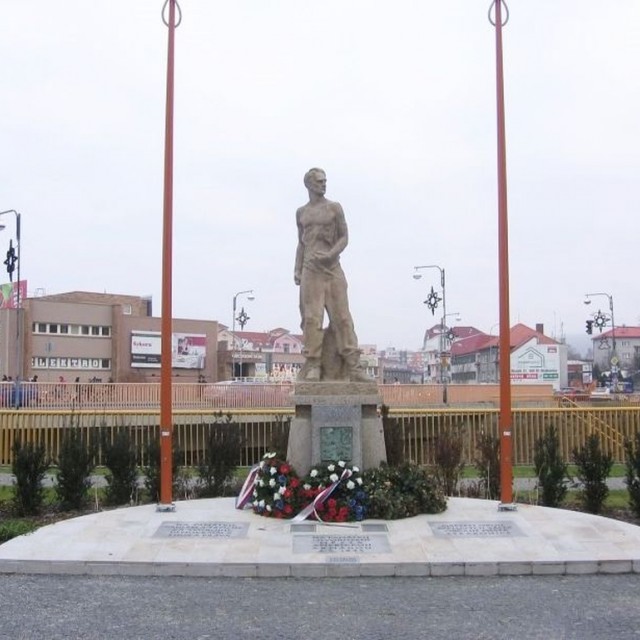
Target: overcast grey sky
x,y
395,100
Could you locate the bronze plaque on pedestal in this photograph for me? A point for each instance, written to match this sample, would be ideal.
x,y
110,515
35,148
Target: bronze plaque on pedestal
x,y
336,443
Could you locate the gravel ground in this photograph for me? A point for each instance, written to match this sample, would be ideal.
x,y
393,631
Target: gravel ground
x,y
69,607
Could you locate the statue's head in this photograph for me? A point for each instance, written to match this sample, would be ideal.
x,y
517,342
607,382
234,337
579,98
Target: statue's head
x,y
315,179
308,177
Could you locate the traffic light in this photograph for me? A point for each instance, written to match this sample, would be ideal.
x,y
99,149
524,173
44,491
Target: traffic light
x,y
589,327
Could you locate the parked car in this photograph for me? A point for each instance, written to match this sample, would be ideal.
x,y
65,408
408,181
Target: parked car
x,y
566,391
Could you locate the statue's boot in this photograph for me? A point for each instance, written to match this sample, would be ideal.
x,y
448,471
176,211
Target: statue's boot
x,y
311,370
356,372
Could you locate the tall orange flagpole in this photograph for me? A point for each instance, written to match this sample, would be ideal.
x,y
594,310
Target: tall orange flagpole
x,y
505,420
166,417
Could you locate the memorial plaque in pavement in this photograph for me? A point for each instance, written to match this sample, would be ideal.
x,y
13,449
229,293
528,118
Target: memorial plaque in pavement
x,y
374,527
336,443
347,544
220,530
303,528
495,529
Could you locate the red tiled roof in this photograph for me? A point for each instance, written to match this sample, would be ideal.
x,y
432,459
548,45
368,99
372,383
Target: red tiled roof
x,y
471,344
621,332
520,334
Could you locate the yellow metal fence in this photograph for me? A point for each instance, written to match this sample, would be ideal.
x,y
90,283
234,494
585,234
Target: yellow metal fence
x,y
263,429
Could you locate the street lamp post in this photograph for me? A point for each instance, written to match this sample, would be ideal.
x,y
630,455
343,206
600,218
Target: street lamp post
x,y
613,359
432,302
13,259
492,367
447,340
242,319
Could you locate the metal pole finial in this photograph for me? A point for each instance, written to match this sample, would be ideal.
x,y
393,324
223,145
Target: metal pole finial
x,y
503,21
164,9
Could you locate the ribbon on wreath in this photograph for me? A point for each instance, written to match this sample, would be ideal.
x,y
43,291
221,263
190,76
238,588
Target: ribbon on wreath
x,y
321,498
246,493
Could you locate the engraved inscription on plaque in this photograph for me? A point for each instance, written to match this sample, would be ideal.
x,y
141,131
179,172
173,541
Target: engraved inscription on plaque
x,y
496,529
343,560
335,544
336,415
219,530
336,443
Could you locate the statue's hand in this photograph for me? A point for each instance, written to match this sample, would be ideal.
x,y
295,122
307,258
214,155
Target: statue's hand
x,y
296,278
323,257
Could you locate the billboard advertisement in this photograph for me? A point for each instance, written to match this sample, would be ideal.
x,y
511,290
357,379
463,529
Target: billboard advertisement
x,y
538,364
188,350
9,294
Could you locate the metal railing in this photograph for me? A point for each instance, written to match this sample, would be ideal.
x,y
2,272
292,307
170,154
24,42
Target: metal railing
x,y
233,395
261,427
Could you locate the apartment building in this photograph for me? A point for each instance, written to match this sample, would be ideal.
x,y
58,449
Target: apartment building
x,y
89,336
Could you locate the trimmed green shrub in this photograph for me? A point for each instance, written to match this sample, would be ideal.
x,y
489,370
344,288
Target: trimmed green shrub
x,y
120,458
393,440
402,492
632,475
550,468
593,469
152,470
279,437
221,457
448,462
487,464
76,462
30,463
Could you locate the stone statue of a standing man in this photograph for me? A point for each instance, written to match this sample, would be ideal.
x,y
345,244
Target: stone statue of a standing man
x,y
332,353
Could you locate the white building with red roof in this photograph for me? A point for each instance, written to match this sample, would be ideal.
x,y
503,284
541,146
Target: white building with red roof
x,y
535,358
627,348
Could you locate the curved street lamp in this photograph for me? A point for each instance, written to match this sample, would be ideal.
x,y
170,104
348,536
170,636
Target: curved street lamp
x,y
432,302
243,320
614,355
13,259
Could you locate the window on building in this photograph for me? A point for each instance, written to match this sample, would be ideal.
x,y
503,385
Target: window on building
x,y
64,328
85,330
53,328
95,331
106,331
74,330
126,309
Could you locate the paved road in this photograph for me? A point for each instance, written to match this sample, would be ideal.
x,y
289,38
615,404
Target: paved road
x,y
549,608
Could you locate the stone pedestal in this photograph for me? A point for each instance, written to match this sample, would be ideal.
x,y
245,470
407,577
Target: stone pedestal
x,y
336,421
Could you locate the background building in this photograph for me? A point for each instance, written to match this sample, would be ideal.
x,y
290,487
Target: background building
x,y
101,337
535,358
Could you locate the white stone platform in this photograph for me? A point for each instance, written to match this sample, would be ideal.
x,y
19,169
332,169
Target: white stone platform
x,y
212,538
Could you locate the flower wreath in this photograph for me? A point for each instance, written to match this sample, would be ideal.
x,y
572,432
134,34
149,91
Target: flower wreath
x,y
337,490
275,488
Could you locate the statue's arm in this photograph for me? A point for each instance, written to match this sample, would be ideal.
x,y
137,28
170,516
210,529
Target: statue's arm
x,y
342,235
297,270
